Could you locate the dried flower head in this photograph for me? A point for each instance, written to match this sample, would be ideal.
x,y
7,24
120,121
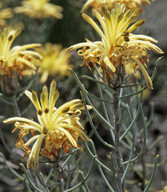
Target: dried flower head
x,y
18,58
109,4
39,9
57,127
5,14
55,61
118,45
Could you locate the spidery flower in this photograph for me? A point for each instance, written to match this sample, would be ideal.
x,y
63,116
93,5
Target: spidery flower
x,y
118,45
39,9
55,61
57,128
109,4
18,58
5,14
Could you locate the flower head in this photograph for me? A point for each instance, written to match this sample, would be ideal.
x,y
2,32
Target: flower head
x,y
163,190
118,45
57,127
5,14
39,9
109,4
18,58
55,60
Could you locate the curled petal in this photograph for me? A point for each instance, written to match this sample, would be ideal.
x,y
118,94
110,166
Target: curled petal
x,y
136,25
33,159
142,37
109,64
31,140
26,62
24,47
68,135
22,119
65,108
147,45
86,5
79,131
80,45
145,74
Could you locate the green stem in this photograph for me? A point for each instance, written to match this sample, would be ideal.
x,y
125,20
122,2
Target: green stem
x,y
153,174
84,180
144,173
16,107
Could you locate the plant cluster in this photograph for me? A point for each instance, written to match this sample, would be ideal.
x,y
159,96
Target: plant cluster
x,y
63,142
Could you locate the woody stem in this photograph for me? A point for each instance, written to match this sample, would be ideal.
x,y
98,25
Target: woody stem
x,y
58,173
118,155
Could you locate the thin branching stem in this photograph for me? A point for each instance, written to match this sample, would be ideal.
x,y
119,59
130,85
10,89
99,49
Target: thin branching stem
x,y
28,177
105,109
84,180
144,140
100,168
92,124
96,158
16,107
153,174
132,148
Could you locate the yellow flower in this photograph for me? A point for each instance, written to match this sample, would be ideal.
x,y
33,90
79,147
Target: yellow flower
x,y
55,61
130,71
5,14
57,127
109,4
118,46
163,190
39,9
18,58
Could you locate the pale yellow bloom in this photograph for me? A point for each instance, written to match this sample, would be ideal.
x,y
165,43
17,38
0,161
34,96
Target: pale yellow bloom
x,y
39,9
118,45
163,190
18,58
130,71
57,127
55,61
5,14
109,4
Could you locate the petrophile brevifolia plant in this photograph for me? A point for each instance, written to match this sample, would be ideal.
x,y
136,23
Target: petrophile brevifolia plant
x,y
118,47
78,115
58,128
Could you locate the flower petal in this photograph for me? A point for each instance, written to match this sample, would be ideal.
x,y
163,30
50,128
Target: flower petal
x,y
33,159
109,64
79,131
145,74
22,119
69,136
